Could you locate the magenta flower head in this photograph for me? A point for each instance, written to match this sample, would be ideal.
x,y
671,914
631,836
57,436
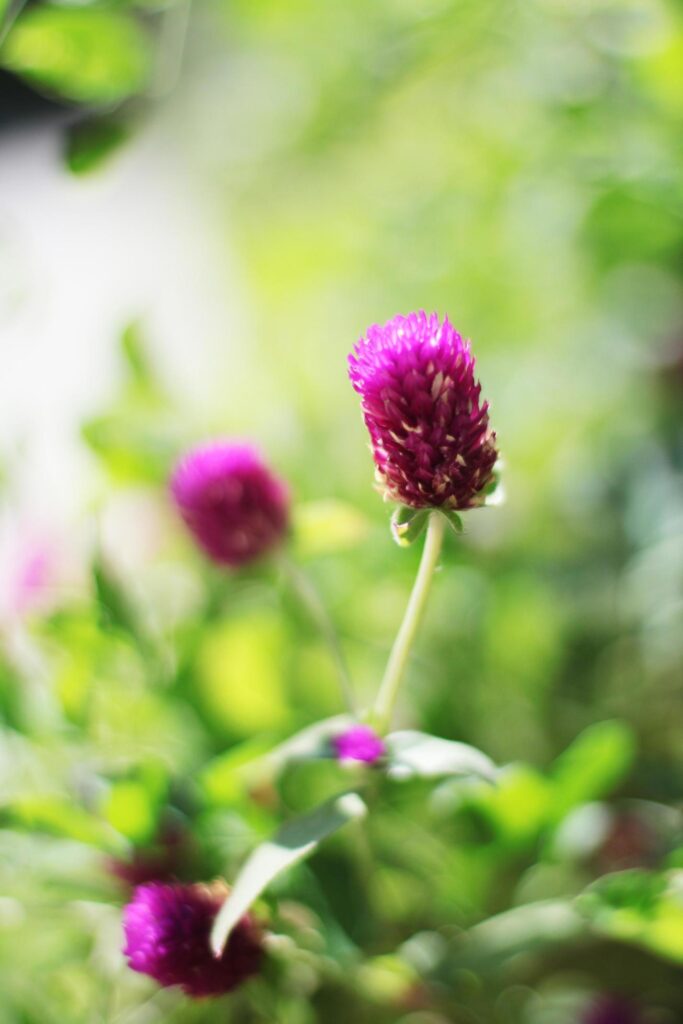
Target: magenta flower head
x,y
430,433
232,503
167,928
359,743
609,1009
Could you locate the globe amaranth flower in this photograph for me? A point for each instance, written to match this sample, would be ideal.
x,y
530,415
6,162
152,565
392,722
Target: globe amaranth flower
x,y
430,433
232,502
608,1009
167,928
359,743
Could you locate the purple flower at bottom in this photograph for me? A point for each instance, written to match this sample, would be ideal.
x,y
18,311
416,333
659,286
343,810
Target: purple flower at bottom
x,y
430,433
167,928
359,743
232,503
608,1009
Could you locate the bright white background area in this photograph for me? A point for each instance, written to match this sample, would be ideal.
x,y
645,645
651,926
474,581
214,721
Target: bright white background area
x,y
79,259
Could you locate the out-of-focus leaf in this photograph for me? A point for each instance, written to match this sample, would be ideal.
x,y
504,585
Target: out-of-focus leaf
x,y
240,674
133,805
115,607
407,524
89,144
592,766
639,907
295,841
85,54
60,817
135,442
517,807
414,753
135,354
224,779
523,929
322,527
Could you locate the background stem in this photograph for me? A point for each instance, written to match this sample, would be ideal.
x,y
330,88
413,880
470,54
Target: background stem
x,y
388,691
310,599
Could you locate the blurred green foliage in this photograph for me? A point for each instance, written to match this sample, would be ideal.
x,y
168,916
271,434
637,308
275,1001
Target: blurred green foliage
x,y
516,165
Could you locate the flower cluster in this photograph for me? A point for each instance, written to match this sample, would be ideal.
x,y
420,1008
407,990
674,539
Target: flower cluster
x,y
434,448
234,505
430,433
167,929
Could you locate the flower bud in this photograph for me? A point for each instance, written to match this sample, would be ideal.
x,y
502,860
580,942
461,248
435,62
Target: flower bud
x,y
359,743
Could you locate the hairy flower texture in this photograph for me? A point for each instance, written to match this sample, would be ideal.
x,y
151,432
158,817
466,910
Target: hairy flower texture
x,y
611,1010
430,433
359,743
167,929
233,504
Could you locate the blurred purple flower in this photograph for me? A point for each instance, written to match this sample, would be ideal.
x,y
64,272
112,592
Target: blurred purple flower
x,y
233,504
607,1009
431,439
167,929
359,743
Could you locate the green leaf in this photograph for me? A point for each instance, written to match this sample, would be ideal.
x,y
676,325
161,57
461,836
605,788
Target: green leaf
x,y
638,907
85,54
115,607
295,841
592,766
58,816
518,807
407,524
227,777
90,143
454,520
135,354
414,753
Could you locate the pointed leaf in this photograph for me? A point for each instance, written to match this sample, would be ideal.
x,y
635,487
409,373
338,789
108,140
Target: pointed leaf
x,y
90,143
293,843
407,524
454,521
414,753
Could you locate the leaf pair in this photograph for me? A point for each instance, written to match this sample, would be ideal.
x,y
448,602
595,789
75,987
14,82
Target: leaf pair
x,y
409,754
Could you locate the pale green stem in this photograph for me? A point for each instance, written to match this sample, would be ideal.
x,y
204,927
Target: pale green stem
x,y
400,652
11,14
310,598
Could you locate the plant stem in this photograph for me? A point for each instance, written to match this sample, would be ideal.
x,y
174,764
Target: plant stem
x,y
311,600
388,691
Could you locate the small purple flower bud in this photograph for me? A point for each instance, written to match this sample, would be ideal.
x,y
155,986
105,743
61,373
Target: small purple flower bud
x,y
232,503
359,743
430,433
167,928
611,1010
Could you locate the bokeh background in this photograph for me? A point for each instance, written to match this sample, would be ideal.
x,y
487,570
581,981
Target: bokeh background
x,y
201,210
